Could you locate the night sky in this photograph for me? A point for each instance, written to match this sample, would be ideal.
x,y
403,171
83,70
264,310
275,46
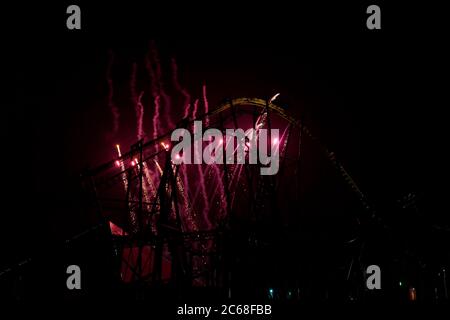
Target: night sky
x,y
372,96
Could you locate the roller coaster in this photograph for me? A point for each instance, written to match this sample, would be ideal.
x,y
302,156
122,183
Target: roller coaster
x,y
186,224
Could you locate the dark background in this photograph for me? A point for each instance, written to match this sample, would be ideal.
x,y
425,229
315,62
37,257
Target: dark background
x,y
374,96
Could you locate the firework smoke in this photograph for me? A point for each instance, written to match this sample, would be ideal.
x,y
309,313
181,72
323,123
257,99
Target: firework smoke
x,y
114,109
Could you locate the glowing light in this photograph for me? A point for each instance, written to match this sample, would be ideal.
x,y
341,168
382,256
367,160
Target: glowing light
x,y
133,163
221,141
412,294
165,146
274,97
118,150
177,156
116,230
275,140
122,167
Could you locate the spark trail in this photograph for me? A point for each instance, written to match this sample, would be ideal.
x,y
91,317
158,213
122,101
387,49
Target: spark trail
x,y
186,108
205,104
153,193
133,216
201,176
137,102
164,115
189,213
153,66
178,87
215,166
194,112
186,111
154,89
122,168
140,117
